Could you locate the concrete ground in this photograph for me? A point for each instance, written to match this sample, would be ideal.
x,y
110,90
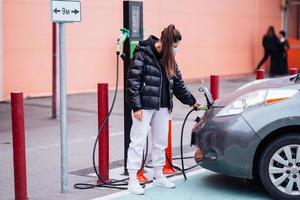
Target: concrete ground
x,y
43,143
201,184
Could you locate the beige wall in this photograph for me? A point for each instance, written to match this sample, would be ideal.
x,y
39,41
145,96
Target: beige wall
x,y
219,37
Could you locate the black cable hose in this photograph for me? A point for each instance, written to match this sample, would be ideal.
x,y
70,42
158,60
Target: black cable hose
x,y
181,143
117,184
110,184
182,169
114,184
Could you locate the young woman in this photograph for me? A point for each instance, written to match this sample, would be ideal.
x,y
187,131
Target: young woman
x,y
153,78
271,48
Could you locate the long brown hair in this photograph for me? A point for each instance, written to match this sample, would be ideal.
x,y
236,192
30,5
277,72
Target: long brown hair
x,y
271,31
169,36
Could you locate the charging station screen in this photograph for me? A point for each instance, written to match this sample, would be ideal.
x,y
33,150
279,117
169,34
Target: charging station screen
x,y
135,21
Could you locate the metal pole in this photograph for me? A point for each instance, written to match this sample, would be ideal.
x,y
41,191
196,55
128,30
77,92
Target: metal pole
x,y
63,108
54,71
286,17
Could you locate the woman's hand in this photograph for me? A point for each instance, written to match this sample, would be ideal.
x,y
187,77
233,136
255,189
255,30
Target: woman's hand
x,y
138,114
196,106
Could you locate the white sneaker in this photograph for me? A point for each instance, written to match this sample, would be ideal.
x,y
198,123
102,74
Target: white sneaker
x,y
163,182
135,188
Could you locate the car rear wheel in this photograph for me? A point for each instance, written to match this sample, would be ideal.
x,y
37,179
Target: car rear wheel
x,y
279,167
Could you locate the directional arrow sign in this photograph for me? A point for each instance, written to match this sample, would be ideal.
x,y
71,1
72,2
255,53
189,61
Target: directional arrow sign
x,y
75,11
66,11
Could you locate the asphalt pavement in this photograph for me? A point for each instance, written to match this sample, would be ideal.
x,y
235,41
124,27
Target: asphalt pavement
x,y
43,142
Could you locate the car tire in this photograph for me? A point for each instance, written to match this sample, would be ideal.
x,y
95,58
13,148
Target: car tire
x,y
276,174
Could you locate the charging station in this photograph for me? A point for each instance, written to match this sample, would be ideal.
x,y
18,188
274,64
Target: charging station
x,y
132,21
130,35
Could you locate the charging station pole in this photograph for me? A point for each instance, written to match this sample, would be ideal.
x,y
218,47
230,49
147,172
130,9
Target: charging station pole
x,y
132,21
63,12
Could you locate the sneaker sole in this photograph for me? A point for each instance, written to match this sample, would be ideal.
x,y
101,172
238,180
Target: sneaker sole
x,y
132,192
160,185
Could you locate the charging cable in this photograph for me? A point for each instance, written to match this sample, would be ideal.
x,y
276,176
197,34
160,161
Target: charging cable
x,y
120,184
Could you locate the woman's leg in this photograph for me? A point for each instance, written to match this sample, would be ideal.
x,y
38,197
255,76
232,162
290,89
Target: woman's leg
x,y
285,65
275,65
159,128
138,135
263,60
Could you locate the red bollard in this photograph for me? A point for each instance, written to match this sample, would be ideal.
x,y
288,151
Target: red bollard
x,y
18,135
293,71
168,169
103,156
214,86
260,74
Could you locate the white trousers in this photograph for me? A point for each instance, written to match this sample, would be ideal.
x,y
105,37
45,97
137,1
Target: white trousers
x,y
158,119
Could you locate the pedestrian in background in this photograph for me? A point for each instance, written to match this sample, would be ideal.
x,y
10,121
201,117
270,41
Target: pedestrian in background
x,y
153,78
284,46
271,44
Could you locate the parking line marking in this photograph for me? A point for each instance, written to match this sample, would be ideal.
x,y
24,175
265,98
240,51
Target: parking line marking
x,y
174,178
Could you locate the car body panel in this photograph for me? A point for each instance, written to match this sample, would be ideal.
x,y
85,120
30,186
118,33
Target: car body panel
x,y
229,143
255,85
231,139
269,118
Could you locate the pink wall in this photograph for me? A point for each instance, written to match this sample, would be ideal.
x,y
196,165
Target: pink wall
x,y
219,37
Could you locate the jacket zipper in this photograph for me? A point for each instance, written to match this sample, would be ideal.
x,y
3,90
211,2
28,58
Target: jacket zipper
x,y
144,84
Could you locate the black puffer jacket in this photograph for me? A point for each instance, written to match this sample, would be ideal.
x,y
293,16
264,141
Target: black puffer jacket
x,y
145,78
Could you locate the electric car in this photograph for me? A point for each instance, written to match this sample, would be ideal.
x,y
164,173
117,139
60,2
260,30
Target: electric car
x,y
254,133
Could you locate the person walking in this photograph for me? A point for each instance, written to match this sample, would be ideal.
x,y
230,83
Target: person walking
x,y
284,46
153,78
271,49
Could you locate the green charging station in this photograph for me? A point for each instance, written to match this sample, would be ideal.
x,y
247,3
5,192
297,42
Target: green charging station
x,y
132,21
